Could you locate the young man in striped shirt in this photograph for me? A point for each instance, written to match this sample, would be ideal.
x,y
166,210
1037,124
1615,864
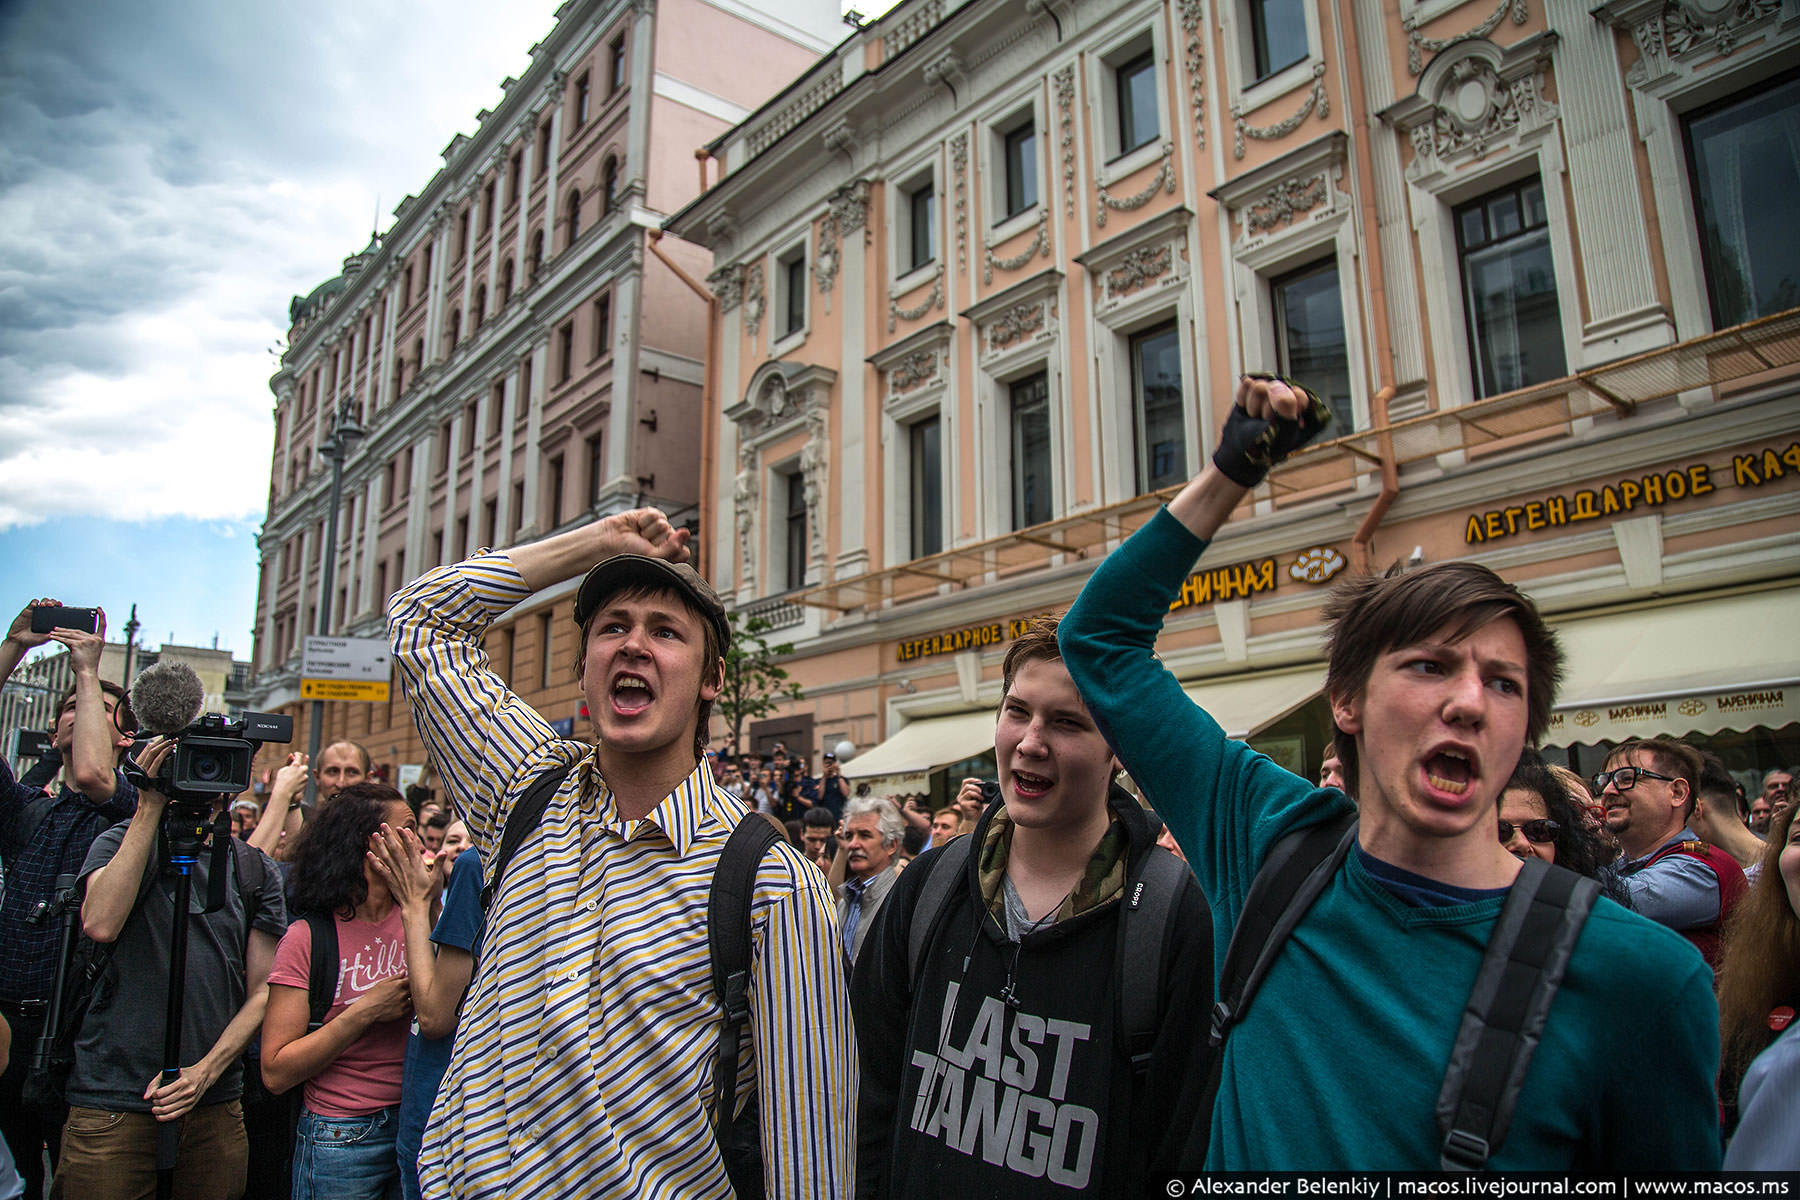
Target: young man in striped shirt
x,y
584,1062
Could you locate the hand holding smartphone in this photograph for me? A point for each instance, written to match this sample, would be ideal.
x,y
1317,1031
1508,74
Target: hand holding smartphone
x,y
47,617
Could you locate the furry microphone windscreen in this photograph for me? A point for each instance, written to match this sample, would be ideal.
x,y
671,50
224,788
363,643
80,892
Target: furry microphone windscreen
x,y
167,697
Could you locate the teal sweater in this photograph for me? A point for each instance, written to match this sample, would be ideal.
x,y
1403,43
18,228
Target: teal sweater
x,y
1338,1061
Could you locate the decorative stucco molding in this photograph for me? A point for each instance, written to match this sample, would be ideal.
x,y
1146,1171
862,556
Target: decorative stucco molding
x,y
1065,114
1193,26
1164,181
1316,101
1416,41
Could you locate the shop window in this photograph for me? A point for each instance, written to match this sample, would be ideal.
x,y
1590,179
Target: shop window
x,y
1030,443
1134,102
1277,35
926,482
1509,289
1743,154
1156,408
1311,343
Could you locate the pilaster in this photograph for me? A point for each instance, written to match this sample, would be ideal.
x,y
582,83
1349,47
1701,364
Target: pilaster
x,y
503,518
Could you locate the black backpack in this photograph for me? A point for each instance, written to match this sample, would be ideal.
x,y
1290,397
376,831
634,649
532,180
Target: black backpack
x,y
84,963
728,944
1527,955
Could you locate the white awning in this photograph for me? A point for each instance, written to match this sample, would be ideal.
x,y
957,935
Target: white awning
x,y
905,761
1245,705
1700,667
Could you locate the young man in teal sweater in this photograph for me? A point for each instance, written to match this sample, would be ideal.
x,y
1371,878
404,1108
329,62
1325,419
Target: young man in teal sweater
x,y
1438,678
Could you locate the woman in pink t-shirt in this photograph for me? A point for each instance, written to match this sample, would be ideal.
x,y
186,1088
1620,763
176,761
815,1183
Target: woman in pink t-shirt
x,y
351,1065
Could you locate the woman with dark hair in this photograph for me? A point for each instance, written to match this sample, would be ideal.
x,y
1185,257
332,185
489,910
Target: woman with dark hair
x,y
1539,817
351,1065
1759,990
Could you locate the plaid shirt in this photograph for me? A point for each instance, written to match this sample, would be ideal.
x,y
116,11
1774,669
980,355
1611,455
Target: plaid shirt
x,y
34,858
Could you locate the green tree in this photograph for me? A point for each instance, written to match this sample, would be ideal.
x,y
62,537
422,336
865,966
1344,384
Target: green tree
x,y
755,685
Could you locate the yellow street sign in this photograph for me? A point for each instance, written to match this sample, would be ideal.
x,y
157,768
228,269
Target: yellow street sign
x,y
344,689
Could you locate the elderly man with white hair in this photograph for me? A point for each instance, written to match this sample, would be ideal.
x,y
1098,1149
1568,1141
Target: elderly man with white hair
x,y
873,827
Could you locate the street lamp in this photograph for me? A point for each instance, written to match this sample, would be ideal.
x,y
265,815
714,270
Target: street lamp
x,y
345,429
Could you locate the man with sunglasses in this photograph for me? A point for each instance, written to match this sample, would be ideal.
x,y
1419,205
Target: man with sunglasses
x,y
1649,788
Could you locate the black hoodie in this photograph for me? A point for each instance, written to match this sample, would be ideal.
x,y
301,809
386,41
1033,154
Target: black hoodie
x,y
1002,1074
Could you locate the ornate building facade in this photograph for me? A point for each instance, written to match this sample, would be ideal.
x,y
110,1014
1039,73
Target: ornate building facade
x,y
986,277
517,353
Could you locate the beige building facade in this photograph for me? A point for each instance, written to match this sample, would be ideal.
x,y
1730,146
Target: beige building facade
x,y
517,354
986,277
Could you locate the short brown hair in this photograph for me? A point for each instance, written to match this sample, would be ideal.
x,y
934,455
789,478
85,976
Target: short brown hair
x,y
1036,644
124,719
1671,756
710,645
1369,615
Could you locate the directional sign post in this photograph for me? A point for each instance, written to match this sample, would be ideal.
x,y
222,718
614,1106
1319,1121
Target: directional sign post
x,y
335,668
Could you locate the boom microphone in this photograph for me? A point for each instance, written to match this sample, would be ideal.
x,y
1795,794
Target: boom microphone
x,y
167,698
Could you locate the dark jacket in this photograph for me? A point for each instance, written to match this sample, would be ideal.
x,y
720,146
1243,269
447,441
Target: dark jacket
x,y
1001,1074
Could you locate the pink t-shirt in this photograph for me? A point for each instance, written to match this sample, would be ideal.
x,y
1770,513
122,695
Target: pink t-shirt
x,y
366,1076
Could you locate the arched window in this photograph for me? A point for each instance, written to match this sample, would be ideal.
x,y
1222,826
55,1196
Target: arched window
x,y
609,196
480,305
574,215
537,255
506,281
455,327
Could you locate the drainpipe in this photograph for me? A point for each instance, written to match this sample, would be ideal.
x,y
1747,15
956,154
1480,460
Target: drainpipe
x,y
1357,102
708,496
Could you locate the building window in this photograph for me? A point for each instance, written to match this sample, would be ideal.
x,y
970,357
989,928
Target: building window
x,y
596,464
1742,154
616,63
490,522
462,537
926,463
506,280
537,256
1030,415
496,409
609,187
480,304
543,148
455,327
406,288
565,352
487,208
1311,344
1018,146
791,280
603,326
574,215
921,224
581,101
1156,408
515,178
546,643
556,491
518,507
1277,35
796,532
388,474
1509,289
462,235
469,415
1134,90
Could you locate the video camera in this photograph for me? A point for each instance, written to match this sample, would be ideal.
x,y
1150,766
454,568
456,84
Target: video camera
x,y
213,757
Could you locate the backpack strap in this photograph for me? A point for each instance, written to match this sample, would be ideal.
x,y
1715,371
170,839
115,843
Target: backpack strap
x,y
728,943
521,821
1147,914
941,880
322,973
1527,954
1292,876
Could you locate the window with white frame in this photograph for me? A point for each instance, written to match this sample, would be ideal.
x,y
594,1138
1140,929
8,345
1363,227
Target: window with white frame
x,y
1157,409
1135,119
790,291
1742,152
1015,145
794,530
1509,289
1311,343
1277,35
918,217
1029,440
925,483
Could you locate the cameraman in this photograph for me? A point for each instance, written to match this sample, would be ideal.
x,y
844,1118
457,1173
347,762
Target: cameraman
x,y
43,836
116,1096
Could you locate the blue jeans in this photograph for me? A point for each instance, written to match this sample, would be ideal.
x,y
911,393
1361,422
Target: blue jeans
x,y
346,1158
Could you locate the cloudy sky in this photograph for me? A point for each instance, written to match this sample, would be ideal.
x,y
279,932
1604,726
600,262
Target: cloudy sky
x,y
171,173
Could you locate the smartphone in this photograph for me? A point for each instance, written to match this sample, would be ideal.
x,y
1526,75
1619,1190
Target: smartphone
x,y
49,617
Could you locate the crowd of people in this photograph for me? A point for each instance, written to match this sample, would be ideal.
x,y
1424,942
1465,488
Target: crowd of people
x,y
1036,989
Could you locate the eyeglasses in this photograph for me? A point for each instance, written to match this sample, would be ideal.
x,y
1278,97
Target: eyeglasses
x,y
1625,778
1539,831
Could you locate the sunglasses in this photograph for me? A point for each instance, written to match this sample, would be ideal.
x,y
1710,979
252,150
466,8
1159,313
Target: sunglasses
x,y
1539,831
1625,778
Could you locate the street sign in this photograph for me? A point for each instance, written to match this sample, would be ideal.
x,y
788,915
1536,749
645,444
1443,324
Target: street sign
x,y
335,668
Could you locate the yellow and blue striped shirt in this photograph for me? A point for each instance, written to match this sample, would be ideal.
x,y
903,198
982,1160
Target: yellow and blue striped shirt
x,y
584,1058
